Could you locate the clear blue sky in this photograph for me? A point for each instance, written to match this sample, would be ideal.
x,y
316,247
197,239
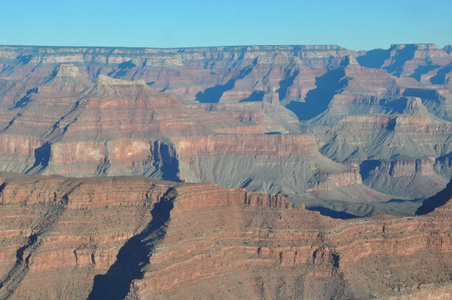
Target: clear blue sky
x,y
354,24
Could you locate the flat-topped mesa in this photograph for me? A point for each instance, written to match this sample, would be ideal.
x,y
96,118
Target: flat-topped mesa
x,y
107,80
410,52
64,81
66,70
350,61
421,46
429,52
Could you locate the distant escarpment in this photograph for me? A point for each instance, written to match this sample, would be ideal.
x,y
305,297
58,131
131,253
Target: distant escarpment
x,y
141,238
308,122
121,127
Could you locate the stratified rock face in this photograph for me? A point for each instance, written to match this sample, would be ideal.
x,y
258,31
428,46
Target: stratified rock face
x,y
140,238
419,61
67,70
276,163
314,123
249,115
71,126
406,178
46,229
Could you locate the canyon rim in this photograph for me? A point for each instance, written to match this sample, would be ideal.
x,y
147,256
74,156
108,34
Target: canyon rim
x,y
258,172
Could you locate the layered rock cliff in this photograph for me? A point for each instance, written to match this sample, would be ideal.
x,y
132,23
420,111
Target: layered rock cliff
x,y
68,125
124,111
322,125
76,238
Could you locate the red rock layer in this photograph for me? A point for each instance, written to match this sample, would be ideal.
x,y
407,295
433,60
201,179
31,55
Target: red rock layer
x,y
261,253
274,146
69,230
60,235
68,125
415,55
83,123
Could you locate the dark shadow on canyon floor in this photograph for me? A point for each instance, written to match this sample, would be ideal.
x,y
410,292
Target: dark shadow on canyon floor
x,y
332,213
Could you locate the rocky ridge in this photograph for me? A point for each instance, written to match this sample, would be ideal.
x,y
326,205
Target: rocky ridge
x,y
125,111
120,127
205,241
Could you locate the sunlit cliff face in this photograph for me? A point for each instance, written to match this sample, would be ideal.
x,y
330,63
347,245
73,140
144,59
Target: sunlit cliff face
x,y
310,122
139,237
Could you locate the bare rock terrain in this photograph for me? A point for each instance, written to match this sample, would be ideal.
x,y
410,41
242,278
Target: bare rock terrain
x,y
140,238
235,116
211,172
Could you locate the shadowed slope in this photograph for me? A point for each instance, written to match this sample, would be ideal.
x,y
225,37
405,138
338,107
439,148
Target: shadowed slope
x,y
435,201
317,100
134,255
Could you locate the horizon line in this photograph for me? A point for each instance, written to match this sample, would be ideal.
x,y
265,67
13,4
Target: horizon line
x,y
219,46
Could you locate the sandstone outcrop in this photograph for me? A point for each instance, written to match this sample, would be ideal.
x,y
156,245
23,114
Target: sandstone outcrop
x,y
319,125
412,60
71,126
125,111
140,238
